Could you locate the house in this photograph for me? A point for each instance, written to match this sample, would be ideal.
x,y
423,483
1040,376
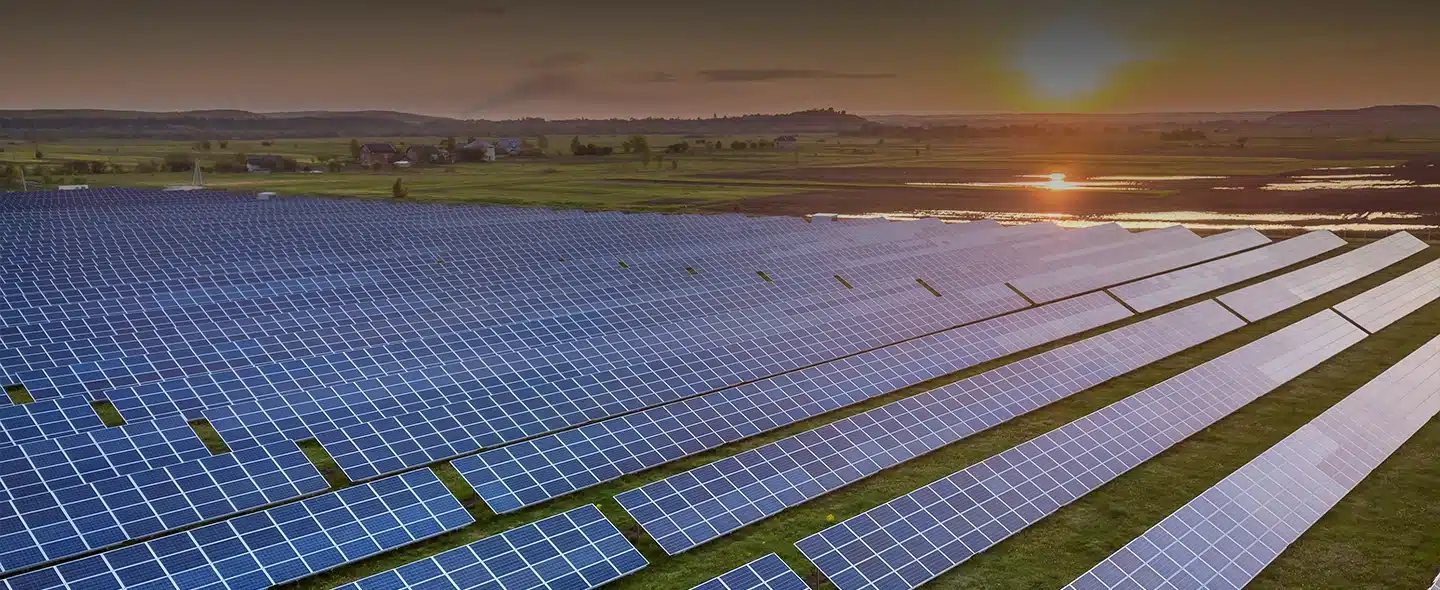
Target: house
x,y
787,143
377,153
427,154
265,164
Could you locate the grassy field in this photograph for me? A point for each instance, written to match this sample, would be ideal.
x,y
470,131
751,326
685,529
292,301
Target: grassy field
x,y
1380,536
624,181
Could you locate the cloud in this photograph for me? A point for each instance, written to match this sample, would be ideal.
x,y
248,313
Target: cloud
x,y
564,59
783,74
540,86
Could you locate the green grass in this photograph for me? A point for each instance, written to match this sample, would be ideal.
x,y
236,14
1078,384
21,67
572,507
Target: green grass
x,y
209,436
18,394
1392,511
108,414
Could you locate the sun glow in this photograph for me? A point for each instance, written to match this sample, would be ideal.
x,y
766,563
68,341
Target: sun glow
x,y
1071,59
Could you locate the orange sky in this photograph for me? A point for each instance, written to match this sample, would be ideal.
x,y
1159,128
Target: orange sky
x,y
563,58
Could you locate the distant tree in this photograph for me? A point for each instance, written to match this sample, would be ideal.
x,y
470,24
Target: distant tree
x,y
1240,142
39,155
224,145
205,145
542,142
398,189
178,162
267,143
754,145
336,165
677,148
625,145
639,143
737,145
449,143
355,149
147,167
719,145
12,175
575,146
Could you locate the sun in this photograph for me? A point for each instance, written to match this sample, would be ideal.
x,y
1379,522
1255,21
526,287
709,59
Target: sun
x,y
1070,59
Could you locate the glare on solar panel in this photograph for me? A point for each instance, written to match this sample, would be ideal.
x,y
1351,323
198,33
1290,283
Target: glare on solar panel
x,y
1157,291
1224,537
943,524
1263,299
699,505
1379,307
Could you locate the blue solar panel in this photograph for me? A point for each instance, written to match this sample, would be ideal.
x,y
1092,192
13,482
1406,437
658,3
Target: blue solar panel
x,y
935,528
54,464
271,547
766,573
533,471
697,506
43,527
575,550
47,419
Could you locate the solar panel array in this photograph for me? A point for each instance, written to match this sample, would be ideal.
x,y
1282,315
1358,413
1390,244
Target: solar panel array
x,y
536,470
272,547
1090,275
766,573
1263,299
911,539
1224,537
1161,290
574,550
700,505
593,344
1381,306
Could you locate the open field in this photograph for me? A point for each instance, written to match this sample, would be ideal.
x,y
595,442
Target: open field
x,y
828,173
1380,536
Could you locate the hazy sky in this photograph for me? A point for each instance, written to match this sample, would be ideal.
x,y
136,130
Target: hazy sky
x,y
562,58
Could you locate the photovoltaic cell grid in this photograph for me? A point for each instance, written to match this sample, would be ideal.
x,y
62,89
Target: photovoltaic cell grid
x,y
766,573
1264,299
1084,276
532,471
47,419
575,550
1381,306
1147,294
44,527
912,539
1224,537
702,504
54,464
272,547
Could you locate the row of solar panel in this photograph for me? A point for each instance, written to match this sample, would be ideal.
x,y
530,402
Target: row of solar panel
x,y
920,535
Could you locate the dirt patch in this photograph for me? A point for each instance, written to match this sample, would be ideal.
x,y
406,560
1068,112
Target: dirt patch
x,y
1250,200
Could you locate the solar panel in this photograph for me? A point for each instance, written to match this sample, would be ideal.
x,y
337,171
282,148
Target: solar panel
x,y
700,505
43,527
533,471
1161,290
1263,299
766,573
1087,275
1381,306
913,538
271,547
46,419
1224,537
575,550
1436,585
54,464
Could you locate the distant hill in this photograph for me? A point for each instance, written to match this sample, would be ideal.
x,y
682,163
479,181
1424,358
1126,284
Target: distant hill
x,y
53,125
1377,117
